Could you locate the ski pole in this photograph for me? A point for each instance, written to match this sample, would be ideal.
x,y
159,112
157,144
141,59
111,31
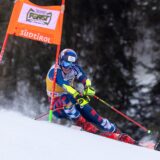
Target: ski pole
x,y
44,114
122,114
40,116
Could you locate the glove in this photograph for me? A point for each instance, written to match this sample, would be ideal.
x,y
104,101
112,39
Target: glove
x,y
88,83
89,91
82,101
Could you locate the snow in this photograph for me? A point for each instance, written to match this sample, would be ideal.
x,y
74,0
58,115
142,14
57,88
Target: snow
x,y
22,138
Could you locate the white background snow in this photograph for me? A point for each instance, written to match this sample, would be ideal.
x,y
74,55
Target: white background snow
x,y
22,138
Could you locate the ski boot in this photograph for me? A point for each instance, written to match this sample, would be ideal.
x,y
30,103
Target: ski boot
x,y
119,136
126,138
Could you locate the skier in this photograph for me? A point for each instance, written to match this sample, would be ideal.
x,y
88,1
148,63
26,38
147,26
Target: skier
x,y
72,105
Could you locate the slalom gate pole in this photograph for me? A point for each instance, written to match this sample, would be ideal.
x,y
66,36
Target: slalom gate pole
x,y
122,114
4,47
54,85
50,117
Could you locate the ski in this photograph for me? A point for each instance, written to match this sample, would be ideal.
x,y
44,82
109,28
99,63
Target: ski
x,y
148,144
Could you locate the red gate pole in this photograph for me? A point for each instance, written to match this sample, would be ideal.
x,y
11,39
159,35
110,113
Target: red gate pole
x,y
4,46
56,66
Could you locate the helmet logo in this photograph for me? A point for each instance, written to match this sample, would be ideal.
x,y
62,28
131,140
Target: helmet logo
x,y
71,59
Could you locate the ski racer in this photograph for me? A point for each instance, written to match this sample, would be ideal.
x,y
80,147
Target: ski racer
x,y
72,105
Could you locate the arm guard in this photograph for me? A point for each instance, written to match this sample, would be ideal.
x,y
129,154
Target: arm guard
x,y
82,101
70,90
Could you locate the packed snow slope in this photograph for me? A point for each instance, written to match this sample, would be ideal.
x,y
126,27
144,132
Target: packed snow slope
x,y
22,138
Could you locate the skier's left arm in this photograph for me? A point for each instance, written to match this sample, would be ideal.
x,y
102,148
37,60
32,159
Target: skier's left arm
x,y
81,77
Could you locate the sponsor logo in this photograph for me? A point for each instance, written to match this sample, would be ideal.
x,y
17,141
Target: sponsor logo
x,y
39,17
35,36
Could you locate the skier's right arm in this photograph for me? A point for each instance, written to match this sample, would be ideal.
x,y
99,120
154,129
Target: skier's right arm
x,y
81,77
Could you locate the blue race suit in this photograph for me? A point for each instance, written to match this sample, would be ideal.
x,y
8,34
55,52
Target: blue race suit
x,y
65,105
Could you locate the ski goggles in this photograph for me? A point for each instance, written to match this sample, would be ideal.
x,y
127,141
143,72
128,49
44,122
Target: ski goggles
x,y
66,64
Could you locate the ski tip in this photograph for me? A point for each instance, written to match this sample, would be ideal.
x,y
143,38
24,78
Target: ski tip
x,y
148,144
